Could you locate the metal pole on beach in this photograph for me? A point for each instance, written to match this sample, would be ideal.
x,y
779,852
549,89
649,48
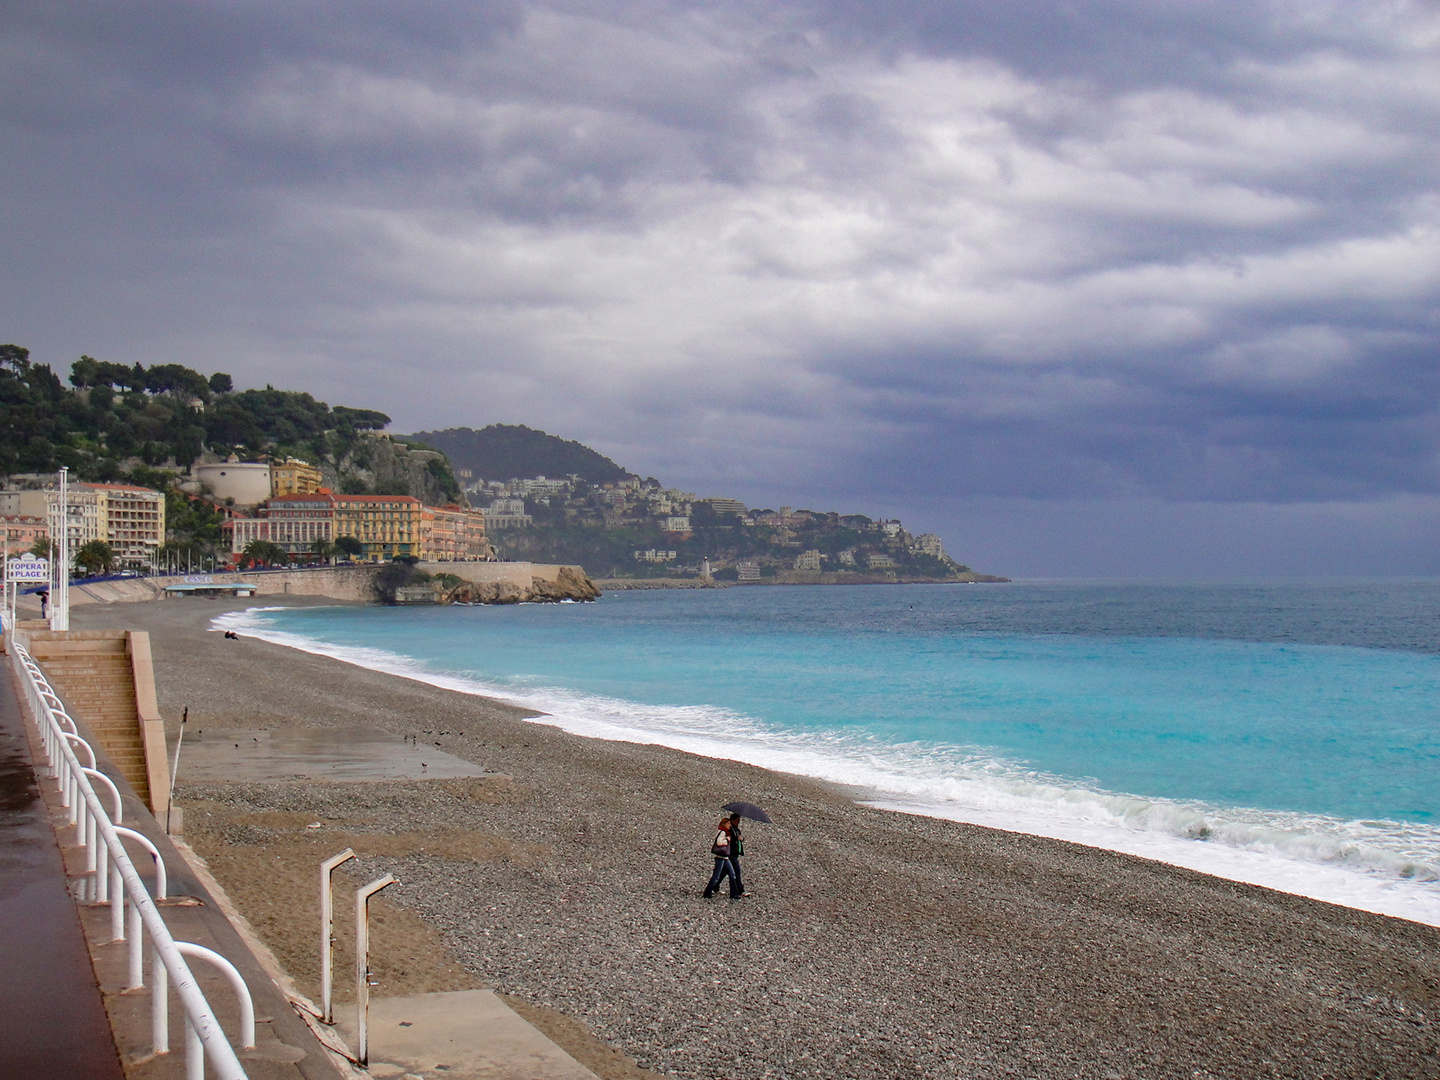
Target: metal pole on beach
x,y
362,964
327,929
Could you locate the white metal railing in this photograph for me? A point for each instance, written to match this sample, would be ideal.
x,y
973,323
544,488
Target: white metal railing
x,y
112,878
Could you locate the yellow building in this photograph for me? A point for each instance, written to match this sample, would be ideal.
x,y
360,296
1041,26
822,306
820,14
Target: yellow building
x,y
386,525
293,477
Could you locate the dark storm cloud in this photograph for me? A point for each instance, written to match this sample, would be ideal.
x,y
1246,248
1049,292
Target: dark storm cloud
x,y
1119,249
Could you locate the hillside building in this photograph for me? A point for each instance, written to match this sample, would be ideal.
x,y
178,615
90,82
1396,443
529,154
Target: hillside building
x,y
930,544
726,506
294,477
808,560
245,483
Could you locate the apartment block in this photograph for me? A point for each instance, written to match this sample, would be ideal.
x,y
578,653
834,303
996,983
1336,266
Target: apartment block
x,y
386,525
132,521
454,533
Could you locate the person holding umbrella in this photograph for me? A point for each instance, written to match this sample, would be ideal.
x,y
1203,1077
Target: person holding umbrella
x,y
729,840
721,849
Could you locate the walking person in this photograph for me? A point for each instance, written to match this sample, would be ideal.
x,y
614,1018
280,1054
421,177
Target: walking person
x,y
721,848
737,848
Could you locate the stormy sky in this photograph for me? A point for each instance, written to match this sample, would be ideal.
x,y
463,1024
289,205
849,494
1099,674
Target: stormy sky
x,y
1119,288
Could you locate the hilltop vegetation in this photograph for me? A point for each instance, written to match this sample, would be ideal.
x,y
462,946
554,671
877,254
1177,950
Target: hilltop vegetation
x,y
117,422
504,451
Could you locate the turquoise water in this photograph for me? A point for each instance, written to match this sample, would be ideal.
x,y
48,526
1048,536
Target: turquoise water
x,y
1297,723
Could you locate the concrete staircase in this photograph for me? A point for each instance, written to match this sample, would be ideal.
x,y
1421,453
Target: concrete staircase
x,y
107,683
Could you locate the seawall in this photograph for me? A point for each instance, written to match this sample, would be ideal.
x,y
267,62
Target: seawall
x,y
491,583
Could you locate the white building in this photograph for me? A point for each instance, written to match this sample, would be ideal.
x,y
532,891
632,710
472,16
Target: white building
x,y
247,483
930,544
677,524
808,560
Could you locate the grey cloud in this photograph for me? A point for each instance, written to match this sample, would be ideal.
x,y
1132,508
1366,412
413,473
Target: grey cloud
x,y
1121,249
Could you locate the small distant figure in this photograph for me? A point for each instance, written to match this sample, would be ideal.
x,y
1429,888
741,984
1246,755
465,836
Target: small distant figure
x,y
231,635
44,595
721,849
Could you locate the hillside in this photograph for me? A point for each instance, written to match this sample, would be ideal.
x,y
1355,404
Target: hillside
x,y
117,422
507,451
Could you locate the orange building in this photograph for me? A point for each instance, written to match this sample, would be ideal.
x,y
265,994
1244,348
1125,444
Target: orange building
x,y
454,533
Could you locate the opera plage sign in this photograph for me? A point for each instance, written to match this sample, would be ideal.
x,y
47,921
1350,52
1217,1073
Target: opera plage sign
x,y
28,569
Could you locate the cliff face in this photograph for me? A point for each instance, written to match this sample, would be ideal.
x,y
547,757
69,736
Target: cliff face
x,y
384,466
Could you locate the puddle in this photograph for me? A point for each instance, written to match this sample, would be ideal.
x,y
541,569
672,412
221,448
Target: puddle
x,y
358,753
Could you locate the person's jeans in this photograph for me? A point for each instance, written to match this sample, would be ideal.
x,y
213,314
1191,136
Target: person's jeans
x,y
723,868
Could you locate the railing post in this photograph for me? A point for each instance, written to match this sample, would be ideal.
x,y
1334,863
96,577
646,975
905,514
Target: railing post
x,y
362,963
117,904
237,983
159,1002
194,1053
327,930
136,944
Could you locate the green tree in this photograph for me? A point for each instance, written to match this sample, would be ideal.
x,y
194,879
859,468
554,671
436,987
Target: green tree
x,y
95,557
264,553
323,548
349,546
41,547
394,575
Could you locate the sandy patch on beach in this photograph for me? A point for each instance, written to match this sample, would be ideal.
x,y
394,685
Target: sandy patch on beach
x,y
874,945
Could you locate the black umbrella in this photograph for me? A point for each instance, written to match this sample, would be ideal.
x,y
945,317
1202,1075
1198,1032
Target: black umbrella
x,y
748,810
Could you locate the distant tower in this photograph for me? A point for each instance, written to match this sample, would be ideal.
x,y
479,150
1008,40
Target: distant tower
x,y
705,569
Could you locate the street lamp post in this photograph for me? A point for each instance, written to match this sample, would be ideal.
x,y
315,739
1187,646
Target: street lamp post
x,y
60,593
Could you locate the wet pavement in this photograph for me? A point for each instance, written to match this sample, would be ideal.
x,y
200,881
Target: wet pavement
x,y
353,753
52,1018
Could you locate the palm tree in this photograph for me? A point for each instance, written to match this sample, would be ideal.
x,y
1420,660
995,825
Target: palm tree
x,y
95,557
324,548
264,553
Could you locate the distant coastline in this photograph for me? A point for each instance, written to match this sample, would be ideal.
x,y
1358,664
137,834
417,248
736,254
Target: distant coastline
x,y
623,584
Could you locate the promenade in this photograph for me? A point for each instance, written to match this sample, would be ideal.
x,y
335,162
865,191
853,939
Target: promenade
x,y
52,1016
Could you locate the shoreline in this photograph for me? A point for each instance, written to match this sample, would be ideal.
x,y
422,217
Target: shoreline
x,y
1361,890
996,951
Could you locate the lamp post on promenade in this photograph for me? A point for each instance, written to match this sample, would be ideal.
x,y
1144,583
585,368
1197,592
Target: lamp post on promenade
x,y
60,591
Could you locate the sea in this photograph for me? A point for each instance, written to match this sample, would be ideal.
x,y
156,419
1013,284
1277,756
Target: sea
x,y
1285,734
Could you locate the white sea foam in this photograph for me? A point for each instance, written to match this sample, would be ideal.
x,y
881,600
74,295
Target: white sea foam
x,y
1388,867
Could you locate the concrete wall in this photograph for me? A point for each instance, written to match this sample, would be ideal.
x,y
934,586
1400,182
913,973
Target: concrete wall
x,y
351,583
521,574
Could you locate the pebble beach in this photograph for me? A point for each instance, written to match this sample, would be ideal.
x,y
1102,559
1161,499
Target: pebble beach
x,y
870,943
